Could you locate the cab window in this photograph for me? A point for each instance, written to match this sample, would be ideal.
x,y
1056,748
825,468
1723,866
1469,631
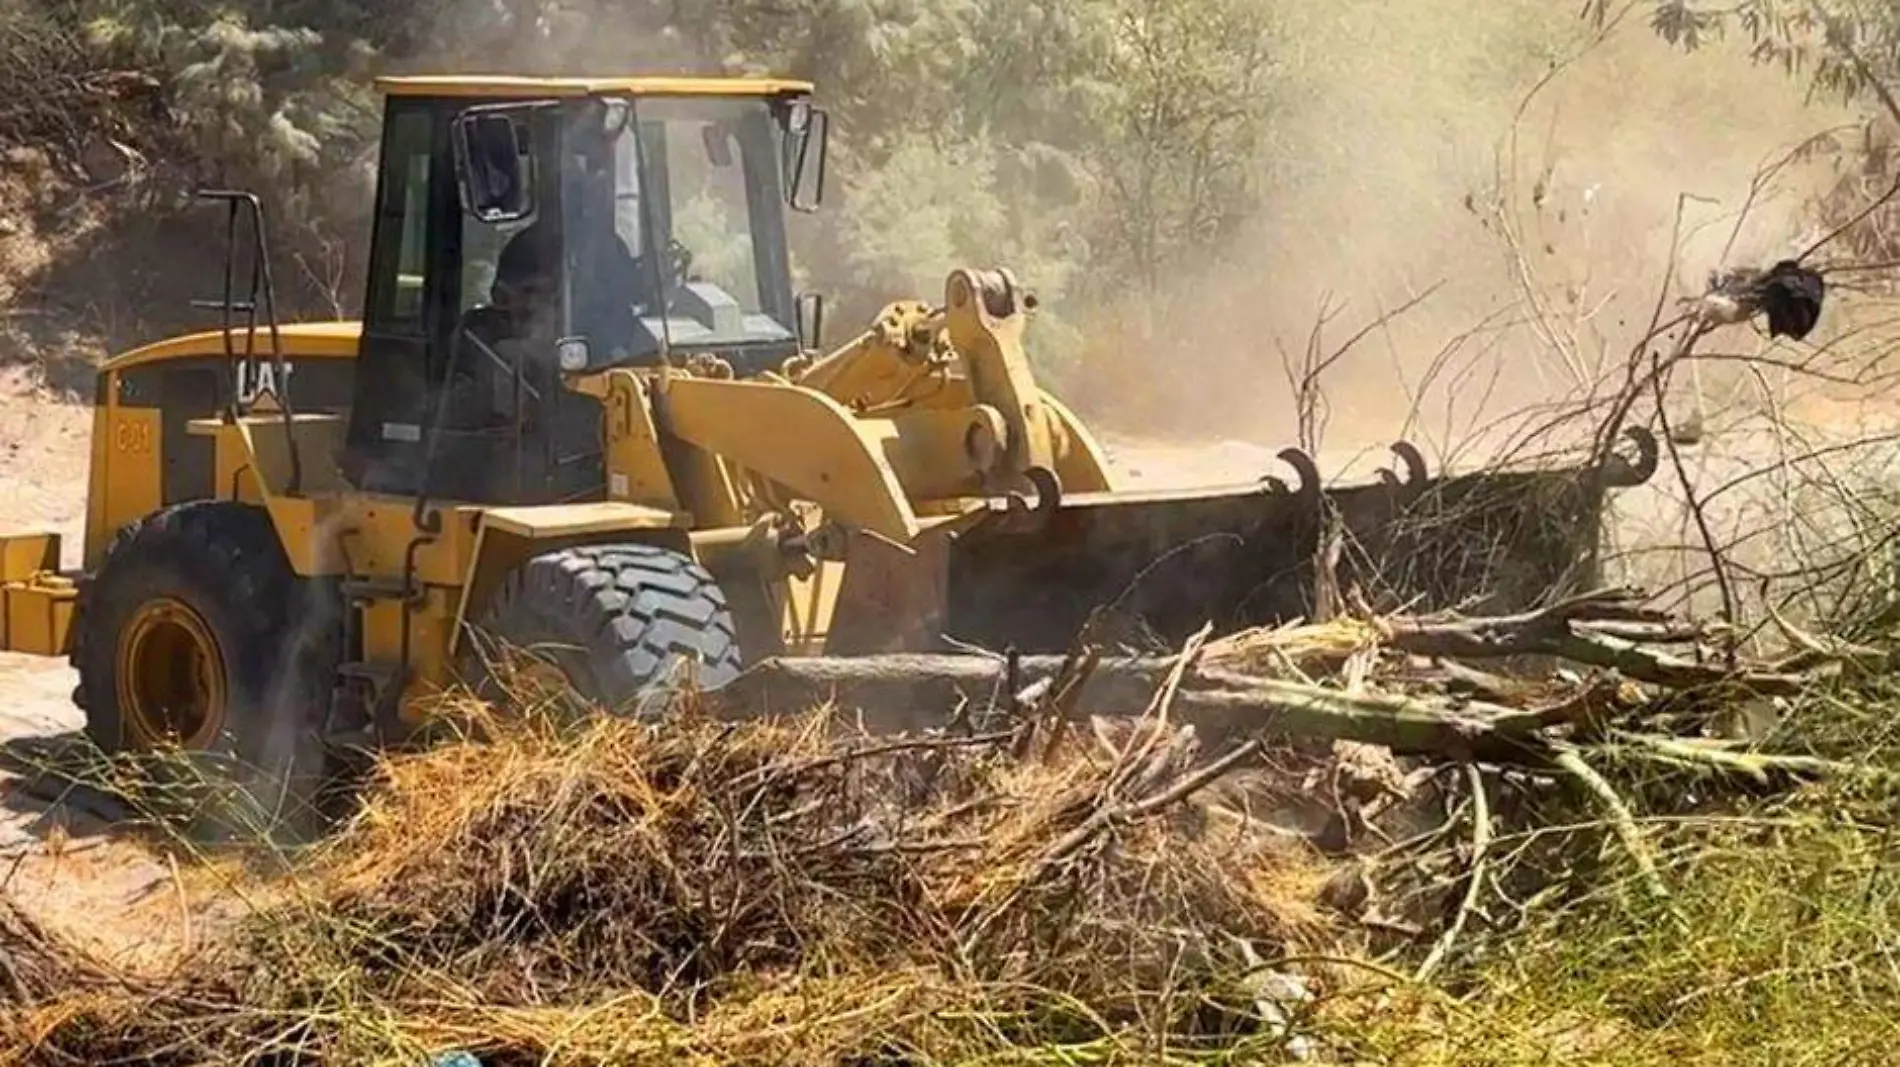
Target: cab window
x,y
402,264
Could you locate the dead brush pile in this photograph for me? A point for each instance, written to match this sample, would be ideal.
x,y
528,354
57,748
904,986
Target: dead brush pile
x,y
702,892
1563,847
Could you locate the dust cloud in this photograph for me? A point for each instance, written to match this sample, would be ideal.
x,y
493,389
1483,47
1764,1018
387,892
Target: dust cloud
x,y
1402,139
1399,112
560,38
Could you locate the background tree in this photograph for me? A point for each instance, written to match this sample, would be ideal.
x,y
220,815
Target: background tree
x,y
1081,142
1846,49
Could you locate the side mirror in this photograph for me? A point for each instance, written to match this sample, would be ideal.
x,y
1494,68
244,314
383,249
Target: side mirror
x,y
490,166
808,133
811,321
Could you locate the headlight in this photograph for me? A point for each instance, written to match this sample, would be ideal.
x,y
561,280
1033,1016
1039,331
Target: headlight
x,y
572,353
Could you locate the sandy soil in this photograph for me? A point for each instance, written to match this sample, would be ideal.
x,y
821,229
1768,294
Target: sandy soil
x,y
43,454
57,857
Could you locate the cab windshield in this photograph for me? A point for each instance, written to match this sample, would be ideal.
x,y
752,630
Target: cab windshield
x,y
672,210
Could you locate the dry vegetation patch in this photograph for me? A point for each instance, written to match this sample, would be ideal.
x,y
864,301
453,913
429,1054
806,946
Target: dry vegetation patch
x,y
1033,887
766,893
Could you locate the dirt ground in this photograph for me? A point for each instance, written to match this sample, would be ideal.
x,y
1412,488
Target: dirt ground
x,y
56,856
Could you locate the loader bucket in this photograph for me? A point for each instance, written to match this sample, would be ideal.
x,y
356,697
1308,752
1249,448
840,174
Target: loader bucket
x,y
1151,568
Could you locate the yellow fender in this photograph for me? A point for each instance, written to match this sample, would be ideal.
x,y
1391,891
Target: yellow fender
x,y
508,536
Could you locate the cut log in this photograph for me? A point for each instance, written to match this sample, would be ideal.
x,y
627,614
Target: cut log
x,y
1597,630
909,693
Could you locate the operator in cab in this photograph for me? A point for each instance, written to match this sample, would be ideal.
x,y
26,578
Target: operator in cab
x,y
512,335
533,304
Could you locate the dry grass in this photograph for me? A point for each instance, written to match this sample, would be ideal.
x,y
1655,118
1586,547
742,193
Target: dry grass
x,y
703,893
791,892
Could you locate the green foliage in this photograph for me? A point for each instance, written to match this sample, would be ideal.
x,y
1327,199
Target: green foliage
x,y
1084,143
1184,126
1774,946
931,205
1081,142
1772,952
1845,49
259,103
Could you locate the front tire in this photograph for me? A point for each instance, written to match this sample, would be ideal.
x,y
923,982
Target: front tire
x,y
616,621
196,636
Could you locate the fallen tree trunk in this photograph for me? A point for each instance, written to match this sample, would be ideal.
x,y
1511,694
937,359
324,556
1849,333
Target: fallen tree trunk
x,y
1479,639
914,693
908,693
1609,630
895,694
1599,629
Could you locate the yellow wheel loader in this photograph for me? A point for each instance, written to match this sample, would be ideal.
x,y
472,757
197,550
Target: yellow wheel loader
x,y
585,413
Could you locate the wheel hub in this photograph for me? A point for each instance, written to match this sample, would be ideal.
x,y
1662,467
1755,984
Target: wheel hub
x,y
171,677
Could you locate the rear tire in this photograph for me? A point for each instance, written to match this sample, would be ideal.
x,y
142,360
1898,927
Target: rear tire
x,y
616,620
196,636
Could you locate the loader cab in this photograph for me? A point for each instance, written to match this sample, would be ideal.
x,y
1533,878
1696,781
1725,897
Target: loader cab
x,y
530,231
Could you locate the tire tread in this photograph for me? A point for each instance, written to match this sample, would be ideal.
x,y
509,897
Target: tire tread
x,y
633,608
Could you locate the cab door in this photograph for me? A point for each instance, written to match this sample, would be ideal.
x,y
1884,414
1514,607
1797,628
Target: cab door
x,y
405,331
